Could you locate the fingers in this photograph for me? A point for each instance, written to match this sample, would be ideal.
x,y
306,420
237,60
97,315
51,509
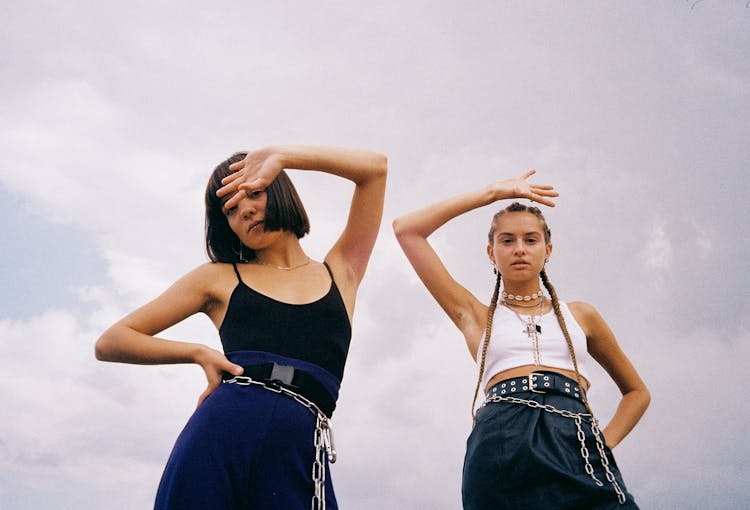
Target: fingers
x,y
230,184
237,165
205,394
528,174
236,198
541,200
254,185
233,368
544,191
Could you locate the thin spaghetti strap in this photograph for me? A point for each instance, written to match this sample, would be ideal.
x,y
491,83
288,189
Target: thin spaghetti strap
x,y
237,272
329,270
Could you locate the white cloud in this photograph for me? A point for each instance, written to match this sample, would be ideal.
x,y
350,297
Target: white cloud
x,y
114,128
656,254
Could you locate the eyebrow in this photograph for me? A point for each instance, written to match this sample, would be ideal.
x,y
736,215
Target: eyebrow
x,y
533,232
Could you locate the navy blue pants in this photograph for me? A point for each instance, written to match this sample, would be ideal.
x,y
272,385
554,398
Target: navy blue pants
x,y
518,457
244,448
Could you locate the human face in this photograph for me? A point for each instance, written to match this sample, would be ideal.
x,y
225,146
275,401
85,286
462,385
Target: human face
x,y
518,249
246,219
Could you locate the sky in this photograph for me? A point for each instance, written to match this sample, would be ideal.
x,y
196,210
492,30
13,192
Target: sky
x,y
113,115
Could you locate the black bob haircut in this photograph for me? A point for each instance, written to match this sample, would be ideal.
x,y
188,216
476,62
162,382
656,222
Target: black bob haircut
x,y
284,211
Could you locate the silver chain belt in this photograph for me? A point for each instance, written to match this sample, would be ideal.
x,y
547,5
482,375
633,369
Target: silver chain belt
x,y
578,419
322,439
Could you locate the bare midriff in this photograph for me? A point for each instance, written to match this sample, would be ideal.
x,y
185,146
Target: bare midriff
x,y
525,370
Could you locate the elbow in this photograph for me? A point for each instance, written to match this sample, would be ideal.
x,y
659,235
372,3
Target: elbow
x,y
100,352
103,349
381,164
646,398
399,227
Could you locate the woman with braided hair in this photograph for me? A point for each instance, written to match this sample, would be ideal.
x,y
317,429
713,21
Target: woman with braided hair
x,y
535,442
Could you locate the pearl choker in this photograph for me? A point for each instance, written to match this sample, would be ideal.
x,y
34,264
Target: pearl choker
x,y
535,295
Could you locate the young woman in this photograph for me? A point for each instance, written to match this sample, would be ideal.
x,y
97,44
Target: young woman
x,y
261,439
535,443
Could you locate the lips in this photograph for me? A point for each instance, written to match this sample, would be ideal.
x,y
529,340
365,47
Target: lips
x,y
520,263
254,224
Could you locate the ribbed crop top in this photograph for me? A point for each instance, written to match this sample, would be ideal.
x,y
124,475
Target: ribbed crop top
x,y
318,332
511,347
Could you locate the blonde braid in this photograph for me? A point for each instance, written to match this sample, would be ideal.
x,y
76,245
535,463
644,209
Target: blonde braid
x,y
486,343
561,321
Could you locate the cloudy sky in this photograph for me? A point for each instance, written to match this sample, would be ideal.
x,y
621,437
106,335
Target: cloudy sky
x,y
112,118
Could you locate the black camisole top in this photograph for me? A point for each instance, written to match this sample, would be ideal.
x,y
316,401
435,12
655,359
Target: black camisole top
x,y
317,332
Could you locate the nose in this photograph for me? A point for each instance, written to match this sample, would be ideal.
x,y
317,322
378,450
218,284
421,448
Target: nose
x,y
247,209
519,247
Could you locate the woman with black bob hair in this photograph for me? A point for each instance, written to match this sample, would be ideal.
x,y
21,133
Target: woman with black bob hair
x,y
260,438
284,211
535,444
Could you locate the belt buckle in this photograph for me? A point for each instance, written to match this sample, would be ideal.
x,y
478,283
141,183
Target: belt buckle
x,y
532,375
281,377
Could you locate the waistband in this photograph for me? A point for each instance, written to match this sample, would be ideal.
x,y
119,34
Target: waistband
x,y
273,375
544,381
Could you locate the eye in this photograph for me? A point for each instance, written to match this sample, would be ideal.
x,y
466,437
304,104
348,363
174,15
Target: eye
x,y
255,194
230,211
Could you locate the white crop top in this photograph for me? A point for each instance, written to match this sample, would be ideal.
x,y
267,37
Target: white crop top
x,y
511,347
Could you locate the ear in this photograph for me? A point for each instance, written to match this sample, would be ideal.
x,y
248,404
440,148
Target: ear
x,y
549,250
489,253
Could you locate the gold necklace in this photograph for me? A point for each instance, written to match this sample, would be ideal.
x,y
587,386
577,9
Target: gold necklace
x,y
284,268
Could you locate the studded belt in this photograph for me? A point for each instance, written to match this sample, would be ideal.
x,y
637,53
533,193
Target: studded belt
x,y
538,382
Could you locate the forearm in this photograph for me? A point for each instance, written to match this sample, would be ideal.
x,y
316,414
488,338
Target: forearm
x,y
424,222
357,165
123,344
629,412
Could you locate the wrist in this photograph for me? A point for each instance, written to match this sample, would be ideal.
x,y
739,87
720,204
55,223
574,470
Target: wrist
x,y
491,194
198,353
283,155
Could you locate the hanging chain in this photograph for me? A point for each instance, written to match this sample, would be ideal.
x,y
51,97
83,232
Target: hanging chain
x,y
605,462
578,419
322,438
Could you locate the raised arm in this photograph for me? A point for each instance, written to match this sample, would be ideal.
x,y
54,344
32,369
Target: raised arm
x,y
413,229
604,348
132,339
367,169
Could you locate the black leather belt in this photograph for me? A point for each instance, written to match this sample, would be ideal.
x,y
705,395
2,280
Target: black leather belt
x,y
291,378
538,382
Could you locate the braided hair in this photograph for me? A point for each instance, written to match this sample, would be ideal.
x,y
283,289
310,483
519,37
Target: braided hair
x,y
518,207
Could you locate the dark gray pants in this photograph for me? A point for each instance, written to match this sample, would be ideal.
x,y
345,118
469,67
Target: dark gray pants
x,y
520,457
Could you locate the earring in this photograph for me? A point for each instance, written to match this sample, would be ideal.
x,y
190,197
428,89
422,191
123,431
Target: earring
x,y
239,253
494,269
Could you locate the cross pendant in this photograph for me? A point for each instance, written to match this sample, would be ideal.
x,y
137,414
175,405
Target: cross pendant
x,y
530,329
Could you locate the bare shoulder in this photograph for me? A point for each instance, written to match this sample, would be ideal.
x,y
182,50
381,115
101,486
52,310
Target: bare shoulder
x,y
211,279
582,310
207,272
587,316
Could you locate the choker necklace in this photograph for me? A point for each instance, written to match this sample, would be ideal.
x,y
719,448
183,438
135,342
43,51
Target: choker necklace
x,y
285,268
517,305
535,295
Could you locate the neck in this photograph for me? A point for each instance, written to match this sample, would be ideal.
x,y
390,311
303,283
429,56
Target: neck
x,y
522,289
285,253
